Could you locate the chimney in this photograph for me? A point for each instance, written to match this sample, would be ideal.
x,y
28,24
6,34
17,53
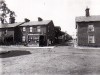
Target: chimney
x,y
12,20
87,12
26,20
40,19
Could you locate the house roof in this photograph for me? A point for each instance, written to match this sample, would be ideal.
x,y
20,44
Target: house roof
x,y
87,19
10,25
44,22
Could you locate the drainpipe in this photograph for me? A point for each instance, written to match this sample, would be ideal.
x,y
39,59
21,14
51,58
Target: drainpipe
x,y
13,37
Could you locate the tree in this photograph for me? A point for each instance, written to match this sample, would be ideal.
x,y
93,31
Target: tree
x,y
68,37
5,11
58,33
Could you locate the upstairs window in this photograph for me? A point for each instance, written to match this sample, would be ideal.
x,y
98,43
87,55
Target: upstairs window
x,y
38,29
24,28
34,29
90,28
91,39
31,29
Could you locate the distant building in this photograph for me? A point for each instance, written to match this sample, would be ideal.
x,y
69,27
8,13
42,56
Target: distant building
x,y
37,33
88,30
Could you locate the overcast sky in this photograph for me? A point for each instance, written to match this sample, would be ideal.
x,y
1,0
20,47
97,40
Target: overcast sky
x,y
62,12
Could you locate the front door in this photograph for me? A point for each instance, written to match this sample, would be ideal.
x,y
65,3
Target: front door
x,y
42,40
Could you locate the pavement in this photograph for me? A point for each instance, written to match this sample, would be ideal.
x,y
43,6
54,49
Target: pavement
x,y
25,47
44,47
84,47
6,49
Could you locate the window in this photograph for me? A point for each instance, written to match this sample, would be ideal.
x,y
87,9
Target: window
x,y
5,32
31,29
43,30
38,29
48,30
34,29
23,38
90,28
24,28
35,37
91,39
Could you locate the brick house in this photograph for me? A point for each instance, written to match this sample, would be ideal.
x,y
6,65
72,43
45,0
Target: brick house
x,y
38,33
88,30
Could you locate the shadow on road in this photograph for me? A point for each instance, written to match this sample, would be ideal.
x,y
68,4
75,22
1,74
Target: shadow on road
x,y
14,53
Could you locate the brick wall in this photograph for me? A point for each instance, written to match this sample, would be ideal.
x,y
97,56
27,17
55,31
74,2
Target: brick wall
x,y
83,33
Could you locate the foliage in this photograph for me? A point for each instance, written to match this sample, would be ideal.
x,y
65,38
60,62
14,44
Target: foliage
x,y
68,37
61,36
4,10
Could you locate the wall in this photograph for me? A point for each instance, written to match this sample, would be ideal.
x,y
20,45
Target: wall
x,y
82,33
34,33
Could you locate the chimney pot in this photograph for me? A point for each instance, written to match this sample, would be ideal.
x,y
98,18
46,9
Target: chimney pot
x,y
26,20
40,19
12,20
87,12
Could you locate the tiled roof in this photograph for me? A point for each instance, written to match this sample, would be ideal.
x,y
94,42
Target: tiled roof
x,y
87,19
10,25
44,22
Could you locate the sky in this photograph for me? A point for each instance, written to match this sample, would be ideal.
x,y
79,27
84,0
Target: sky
x,y
62,12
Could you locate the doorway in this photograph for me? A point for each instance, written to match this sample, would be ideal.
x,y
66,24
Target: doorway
x,y
41,40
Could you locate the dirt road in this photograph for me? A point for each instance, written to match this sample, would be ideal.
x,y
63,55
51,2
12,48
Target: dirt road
x,y
61,60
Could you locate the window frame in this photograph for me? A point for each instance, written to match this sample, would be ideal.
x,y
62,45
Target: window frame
x,y
38,28
24,28
91,39
91,28
31,29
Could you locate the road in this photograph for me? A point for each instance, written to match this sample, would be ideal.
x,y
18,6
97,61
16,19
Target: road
x,y
61,60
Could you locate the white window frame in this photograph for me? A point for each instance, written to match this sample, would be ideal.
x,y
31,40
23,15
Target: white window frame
x,y
38,29
91,39
23,38
90,28
31,29
24,28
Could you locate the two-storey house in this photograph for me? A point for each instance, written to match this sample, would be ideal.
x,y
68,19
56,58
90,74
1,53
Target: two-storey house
x,y
37,33
88,30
